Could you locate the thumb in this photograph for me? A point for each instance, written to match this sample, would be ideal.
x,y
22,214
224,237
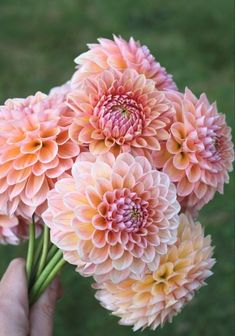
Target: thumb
x,y
42,312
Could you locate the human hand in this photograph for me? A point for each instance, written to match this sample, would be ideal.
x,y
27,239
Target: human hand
x,y
16,319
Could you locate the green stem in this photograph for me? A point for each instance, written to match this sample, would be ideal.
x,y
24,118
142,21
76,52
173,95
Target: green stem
x,y
44,250
38,251
30,252
44,275
51,252
47,281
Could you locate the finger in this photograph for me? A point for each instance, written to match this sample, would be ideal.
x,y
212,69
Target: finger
x,y
42,312
14,299
13,285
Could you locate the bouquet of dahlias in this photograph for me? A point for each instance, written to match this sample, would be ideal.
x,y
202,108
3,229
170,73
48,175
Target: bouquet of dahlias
x,y
109,171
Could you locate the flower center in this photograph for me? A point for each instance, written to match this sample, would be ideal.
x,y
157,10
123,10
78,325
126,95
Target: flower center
x,y
119,116
127,212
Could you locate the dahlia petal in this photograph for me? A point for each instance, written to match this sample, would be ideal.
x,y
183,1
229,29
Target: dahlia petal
x,y
24,161
4,169
85,213
93,197
99,222
149,254
86,135
33,185
181,161
17,176
3,185
153,143
117,181
104,268
103,185
178,131
66,241
123,262
65,185
68,150
83,230
116,251
129,181
32,147
98,147
137,267
9,154
48,151
112,238
173,146
184,187
99,255
193,173
98,239
200,190
101,170
16,190
174,173
117,276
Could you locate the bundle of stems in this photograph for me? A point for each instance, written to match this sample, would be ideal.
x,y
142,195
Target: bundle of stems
x,y
44,261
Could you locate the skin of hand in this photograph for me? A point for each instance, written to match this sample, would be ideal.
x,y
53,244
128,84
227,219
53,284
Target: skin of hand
x,y
15,316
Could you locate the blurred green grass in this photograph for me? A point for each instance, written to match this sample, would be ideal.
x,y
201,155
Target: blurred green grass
x,y
194,41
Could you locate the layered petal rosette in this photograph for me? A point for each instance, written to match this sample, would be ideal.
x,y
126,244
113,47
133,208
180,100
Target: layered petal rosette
x,y
198,154
162,294
119,54
114,217
35,150
119,112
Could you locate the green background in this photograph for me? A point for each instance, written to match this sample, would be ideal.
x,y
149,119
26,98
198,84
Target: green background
x,y
193,40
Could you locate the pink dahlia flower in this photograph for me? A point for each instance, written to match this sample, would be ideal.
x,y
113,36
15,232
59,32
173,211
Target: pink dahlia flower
x,y
7,226
114,217
35,150
14,229
118,112
61,90
198,154
119,54
161,294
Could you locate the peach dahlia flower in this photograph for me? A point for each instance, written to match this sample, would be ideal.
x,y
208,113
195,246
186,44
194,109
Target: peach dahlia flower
x,y
35,150
114,217
198,154
161,294
119,54
118,112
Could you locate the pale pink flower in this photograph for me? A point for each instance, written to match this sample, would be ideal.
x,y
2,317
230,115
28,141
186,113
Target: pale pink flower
x,y
119,54
198,154
113,217
15,229
61,90
35,150
162,294
7,235
119,112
